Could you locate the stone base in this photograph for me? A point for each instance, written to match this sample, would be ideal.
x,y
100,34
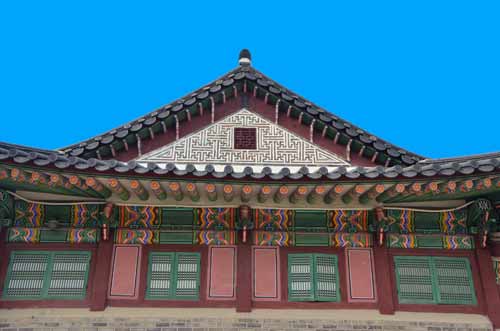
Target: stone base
x,y
161,319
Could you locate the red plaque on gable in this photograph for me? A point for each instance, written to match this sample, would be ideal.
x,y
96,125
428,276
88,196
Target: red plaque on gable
x,y
245,138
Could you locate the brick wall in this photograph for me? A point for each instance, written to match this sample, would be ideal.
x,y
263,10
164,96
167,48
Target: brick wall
x,y
207,320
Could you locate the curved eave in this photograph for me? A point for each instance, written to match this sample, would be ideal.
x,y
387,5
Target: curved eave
x,y
14,154
261,87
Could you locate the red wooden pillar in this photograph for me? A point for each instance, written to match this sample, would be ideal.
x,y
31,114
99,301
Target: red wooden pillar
x,y
383,279
100,281
244,276
488,281
4,258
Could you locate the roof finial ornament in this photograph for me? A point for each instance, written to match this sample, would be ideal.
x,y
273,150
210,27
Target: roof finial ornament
x,y
245,58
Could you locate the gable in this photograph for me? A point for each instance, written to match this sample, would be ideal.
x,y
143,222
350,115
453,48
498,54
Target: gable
x,y
276,147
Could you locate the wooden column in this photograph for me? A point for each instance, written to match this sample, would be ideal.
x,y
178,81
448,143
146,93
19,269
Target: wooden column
x,y
383,279
100,281
244,275
4,259
488,281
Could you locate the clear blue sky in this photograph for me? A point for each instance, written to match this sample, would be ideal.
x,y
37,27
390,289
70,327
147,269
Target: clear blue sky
x,y
424,75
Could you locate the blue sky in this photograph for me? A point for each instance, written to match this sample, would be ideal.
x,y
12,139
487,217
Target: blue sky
x,y
424,75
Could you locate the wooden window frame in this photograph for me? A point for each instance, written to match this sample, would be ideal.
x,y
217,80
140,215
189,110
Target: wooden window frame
x,y
436,292
174,271
47,275
47,303
480,308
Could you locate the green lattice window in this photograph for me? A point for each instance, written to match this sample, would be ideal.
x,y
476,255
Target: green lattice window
x,y
173,276
434,280
313,277
36,275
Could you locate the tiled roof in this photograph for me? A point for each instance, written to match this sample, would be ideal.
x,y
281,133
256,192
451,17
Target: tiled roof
x,y
245,72
487,163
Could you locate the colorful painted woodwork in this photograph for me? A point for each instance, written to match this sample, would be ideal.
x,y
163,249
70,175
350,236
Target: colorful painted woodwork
x,y
349,220
23,235
139,217
267,238
136,236
85,215
272,219
220,237
82,236
216,219
360,240
28,214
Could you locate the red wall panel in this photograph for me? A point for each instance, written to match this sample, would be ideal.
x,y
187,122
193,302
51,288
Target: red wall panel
x,y
222,274
266,286
124,279
360,275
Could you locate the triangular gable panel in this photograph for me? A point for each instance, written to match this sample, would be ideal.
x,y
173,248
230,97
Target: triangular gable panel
x,y
276,147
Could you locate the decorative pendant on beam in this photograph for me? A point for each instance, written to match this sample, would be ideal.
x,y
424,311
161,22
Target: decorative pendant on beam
x,y
175,189
39,178
98,187
228,192
158,191
334,193
353,193
211,190
316,194
264,194
281,194
118,188
192,192
139,190
246,193
392,192
372,193
298,195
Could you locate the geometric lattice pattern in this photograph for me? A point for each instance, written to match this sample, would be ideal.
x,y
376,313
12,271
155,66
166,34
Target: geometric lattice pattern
x,y
275,146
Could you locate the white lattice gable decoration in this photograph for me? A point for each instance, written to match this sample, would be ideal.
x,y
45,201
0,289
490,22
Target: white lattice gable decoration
x,y
276,147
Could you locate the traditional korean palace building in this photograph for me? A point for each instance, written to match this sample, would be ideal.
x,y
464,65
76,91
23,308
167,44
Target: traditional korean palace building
x,y
245,195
